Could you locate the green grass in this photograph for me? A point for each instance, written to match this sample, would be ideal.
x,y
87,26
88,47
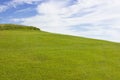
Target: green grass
x,y
16,27
38,55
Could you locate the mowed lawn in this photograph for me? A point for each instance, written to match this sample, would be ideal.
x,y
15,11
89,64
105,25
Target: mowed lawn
x,y
38,55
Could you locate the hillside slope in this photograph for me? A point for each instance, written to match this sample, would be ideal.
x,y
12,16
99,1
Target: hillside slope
x,y
37,55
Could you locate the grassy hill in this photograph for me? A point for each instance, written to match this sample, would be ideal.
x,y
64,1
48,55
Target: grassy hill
x,y
16,27
38,55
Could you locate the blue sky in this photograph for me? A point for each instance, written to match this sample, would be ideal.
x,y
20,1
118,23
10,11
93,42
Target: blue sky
x,y
98,19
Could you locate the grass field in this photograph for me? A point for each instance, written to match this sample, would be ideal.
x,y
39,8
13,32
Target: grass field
x,y
38,55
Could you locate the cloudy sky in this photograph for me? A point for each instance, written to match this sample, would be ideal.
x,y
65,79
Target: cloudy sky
x,y
98,19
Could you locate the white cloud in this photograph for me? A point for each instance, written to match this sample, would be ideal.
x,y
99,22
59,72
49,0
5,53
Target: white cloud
x,y
14,3
3,8
23,10
19,2
59,17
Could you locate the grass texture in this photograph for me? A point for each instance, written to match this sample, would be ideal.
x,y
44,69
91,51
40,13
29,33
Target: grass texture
x,y
38,55
16,27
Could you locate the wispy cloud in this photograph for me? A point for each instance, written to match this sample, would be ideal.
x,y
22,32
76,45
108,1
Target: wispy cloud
x,y
23,10
3,8
15,3
64,16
